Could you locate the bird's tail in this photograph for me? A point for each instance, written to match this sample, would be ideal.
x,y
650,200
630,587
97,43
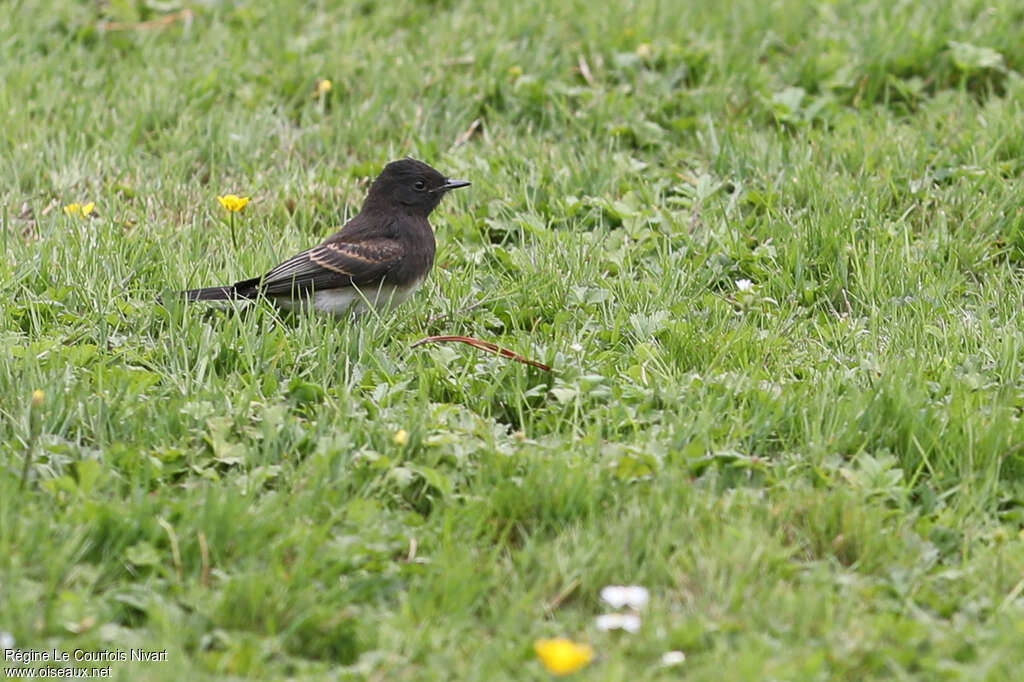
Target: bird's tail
x,y
248,288
210,294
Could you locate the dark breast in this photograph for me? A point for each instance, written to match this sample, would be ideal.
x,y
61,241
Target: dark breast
x,y
418,239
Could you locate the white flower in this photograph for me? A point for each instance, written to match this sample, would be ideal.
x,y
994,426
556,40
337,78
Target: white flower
x,y
576,347
6,640
633,596
630,622
670,658
744,285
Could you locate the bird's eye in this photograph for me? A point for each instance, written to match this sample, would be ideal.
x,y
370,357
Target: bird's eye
x,y
420,186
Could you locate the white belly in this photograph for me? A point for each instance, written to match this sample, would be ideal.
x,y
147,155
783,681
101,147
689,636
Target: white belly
x,y
346,300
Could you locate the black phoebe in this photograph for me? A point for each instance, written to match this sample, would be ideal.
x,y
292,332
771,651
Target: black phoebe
x,y
380,257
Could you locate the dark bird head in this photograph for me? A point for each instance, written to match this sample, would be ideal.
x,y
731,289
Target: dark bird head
x,y
409,185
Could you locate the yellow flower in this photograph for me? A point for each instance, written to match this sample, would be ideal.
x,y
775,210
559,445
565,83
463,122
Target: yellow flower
x,y
79,209
563,656
37,398
323,86
401,437
233,203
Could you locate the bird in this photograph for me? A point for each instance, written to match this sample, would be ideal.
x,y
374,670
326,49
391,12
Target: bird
x,y
376,260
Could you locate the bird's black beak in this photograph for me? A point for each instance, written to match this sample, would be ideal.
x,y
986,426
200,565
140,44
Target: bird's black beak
x,y
453,184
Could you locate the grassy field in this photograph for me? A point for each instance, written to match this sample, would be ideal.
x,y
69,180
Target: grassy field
x,y
772,251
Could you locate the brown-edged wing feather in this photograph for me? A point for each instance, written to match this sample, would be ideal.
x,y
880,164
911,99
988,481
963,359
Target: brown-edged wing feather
x,y
335,264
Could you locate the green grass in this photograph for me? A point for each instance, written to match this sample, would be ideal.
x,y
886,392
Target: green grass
x,y
821,477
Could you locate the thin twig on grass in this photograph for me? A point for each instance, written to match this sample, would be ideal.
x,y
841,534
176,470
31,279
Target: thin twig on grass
x,y
166,20
486,346
584,70
464,137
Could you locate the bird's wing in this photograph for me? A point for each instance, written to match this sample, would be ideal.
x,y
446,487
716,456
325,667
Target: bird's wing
x,y
334,264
